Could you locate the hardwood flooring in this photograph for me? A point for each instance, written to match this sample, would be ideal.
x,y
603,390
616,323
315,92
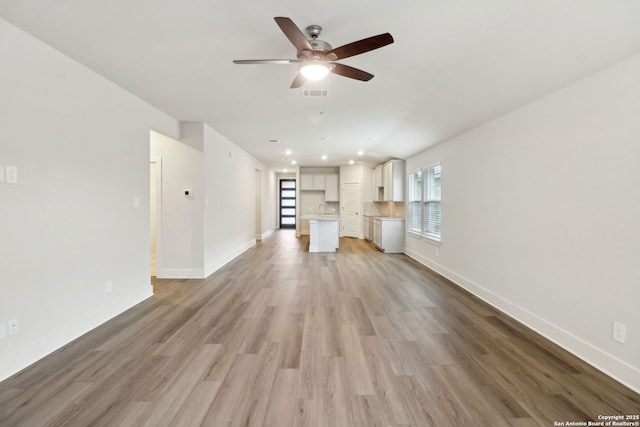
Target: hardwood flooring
x,y
281,337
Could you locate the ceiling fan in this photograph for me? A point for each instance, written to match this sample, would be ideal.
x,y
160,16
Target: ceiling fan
x,y
316,58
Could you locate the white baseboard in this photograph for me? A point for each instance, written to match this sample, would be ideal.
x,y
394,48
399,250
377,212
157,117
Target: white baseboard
x,y
180,273
197,273
267,233
17,361
599,359
219,263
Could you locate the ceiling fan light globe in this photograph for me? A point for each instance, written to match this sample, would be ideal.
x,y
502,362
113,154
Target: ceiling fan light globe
x,y
314,71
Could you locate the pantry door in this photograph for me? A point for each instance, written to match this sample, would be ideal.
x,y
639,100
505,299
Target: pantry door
x,y
350,221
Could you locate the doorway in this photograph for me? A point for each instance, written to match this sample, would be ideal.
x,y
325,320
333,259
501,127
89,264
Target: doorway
x,y
155,216
287,196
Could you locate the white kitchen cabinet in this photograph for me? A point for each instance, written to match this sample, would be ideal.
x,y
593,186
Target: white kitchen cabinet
x,y
319,182
326,183
388,234
366,227
378,183
388,182
378,176
312,182
324,234
306,182
393,181
331,193
376,231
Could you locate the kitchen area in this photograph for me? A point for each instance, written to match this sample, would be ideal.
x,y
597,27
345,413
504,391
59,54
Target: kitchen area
x,y
383,222
379,206
319,208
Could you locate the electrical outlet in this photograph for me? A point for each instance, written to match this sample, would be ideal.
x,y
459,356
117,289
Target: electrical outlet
x,y
619,332
109,287
13,327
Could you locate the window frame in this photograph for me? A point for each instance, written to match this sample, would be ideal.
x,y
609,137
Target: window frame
x,y
281,198
426,204
427,175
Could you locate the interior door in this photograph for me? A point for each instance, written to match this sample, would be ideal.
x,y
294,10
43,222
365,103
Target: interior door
x,y
350,213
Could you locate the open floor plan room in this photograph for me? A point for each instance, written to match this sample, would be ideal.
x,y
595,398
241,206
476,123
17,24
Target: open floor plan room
x,y
284,337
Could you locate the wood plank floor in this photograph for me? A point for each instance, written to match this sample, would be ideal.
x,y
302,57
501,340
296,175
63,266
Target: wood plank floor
x,y
280,337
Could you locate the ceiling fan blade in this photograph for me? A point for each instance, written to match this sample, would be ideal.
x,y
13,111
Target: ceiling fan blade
x,y
352,73
298,81
265,61
362,46
293,33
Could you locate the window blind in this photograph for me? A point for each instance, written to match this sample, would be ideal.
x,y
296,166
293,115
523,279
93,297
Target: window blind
x,y
415,202
432,217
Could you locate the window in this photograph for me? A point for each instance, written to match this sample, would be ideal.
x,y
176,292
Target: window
x,y
431,216
287,203
424,203
415,202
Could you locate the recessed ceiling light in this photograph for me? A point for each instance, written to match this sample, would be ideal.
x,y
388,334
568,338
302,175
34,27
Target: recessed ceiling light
x,y
360,153
293,162
351,162
288,152
324,157
285,169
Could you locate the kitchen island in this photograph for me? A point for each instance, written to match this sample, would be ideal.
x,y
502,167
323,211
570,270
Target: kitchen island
x,y
324,232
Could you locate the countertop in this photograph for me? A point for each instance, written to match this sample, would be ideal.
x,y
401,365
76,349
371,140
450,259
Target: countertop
x,y
385,218
321,217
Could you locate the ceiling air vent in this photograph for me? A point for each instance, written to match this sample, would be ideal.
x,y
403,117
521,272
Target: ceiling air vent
x,y
273,141
314,92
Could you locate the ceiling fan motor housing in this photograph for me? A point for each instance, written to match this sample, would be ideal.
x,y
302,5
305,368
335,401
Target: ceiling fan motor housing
x,y
320,45
317,45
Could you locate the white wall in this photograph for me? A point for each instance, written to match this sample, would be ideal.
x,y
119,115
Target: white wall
x,y
82,148
229,185
182,221
81,145
216,222
541,213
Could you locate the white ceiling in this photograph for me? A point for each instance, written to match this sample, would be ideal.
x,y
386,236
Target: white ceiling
x,y
455,64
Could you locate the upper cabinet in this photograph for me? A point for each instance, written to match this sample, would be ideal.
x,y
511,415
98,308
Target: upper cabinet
x,y
306,182
331,193
312,182
390,188
378,176
326,183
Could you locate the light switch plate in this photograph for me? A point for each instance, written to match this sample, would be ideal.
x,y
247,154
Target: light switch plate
x,y
11,174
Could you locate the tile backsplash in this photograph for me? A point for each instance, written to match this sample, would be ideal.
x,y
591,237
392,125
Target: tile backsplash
x,y
392,209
